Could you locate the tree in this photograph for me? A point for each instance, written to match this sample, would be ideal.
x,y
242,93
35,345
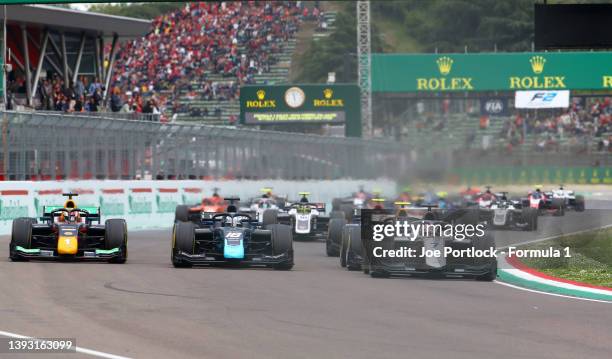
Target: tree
x,y
338,52
481,25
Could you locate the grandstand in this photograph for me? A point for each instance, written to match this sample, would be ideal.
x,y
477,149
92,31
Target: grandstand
x,y
51,47
542,132
221,46
227,109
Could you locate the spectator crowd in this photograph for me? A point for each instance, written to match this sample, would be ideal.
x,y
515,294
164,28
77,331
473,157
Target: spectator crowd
x,y
233,40
586,120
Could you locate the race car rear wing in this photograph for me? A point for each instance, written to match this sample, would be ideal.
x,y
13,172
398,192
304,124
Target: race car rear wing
x,y
318,205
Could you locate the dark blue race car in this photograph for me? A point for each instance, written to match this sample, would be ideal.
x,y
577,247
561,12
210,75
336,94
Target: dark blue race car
x,y
232,238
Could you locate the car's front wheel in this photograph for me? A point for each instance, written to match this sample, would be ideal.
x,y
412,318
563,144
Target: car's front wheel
x,y
116,237
21,236
183,240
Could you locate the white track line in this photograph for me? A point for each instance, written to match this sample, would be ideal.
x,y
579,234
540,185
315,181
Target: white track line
x,y
552,294
78,349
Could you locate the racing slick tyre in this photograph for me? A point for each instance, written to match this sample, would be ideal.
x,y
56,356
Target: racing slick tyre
x,y
348,211
269,216
491,274
354,246
183,239
21,235
559,205
485,242
282,242
344,246
334,236
336,202
181,213
579,203
116,237
336,214
530,216
365,267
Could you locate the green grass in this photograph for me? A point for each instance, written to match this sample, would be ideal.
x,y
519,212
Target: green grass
x,y
395,36
590,261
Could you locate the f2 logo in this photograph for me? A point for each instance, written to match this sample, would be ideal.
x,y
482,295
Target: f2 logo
x,y
544,97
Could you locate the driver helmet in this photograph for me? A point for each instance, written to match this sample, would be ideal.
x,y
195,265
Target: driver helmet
x,y
215,199
304,199
72,217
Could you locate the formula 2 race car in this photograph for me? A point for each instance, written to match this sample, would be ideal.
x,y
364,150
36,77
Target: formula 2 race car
x,y
570,199
232,238
481,267
503,213
69,232
307,219
544,203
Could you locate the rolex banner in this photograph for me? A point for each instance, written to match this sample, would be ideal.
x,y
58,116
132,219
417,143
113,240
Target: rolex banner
x,y
541,99
492,72
305,104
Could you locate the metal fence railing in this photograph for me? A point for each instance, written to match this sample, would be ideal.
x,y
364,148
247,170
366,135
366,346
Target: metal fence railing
x,y
41,146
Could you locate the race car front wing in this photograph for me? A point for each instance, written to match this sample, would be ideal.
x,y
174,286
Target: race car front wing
x,y
249,259
94,254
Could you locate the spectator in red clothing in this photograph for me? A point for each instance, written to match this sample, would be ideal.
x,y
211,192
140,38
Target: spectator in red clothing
x,y
207,37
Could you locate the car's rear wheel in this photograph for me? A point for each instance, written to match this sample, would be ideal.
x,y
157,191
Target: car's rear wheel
x,y
365,266
334,236
336,202
337,214
491,274
269,216
559,205
183,240
181,213
348,211
21,235
343,247
579,206
354,247
486,242
282,242
116,237
530,216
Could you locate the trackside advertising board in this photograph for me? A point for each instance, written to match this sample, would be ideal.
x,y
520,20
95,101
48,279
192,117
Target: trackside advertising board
x,y
542,99
525,175
151,204
492,71
302,104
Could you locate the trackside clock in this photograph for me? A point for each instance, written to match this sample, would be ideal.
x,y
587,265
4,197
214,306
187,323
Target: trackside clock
x,y
294,97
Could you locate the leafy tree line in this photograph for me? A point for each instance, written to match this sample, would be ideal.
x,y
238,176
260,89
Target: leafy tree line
x,y
338,52
435,25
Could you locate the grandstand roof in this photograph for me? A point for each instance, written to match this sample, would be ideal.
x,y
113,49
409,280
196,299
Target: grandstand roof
x,y
71,20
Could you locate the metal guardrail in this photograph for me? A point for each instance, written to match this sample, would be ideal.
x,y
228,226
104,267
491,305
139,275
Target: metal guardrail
x,y
137,116
43,146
